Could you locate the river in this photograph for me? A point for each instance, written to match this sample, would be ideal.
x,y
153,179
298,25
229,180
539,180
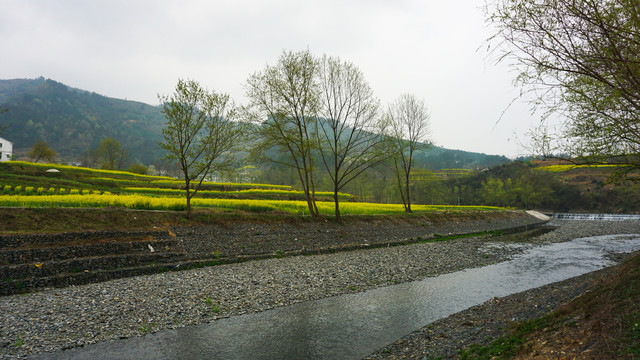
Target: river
x,y
354,325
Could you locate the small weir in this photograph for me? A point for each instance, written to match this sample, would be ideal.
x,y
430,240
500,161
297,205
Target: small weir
x,y
605,217
354,325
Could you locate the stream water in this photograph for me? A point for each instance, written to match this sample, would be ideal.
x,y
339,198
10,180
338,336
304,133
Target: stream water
x,y
355,325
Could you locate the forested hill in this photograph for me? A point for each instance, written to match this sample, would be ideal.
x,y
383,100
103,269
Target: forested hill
x,y
73,121
436,158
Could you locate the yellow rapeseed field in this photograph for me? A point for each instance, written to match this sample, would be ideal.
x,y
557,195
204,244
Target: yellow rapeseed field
x,y
560,168
146,190
174,182
177,203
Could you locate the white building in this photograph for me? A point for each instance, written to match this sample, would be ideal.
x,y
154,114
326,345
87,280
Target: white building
x,y
6,149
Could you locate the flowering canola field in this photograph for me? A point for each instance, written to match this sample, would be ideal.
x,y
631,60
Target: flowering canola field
x,y
24,184
177,203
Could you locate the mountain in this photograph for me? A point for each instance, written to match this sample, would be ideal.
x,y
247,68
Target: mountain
x,y
73,121
437,158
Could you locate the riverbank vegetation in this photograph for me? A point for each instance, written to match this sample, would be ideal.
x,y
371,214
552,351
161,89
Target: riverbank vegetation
x,y
604,323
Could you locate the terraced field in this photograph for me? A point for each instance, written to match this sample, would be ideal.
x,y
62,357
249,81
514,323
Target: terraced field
x,y
26,184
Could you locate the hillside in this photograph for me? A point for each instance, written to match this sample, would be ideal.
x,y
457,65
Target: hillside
x,y
549,187
73,121
437,158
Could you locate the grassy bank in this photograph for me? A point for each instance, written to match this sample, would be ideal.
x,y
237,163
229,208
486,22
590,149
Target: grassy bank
x,y
604,323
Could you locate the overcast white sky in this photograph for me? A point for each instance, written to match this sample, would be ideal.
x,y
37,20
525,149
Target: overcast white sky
x,y
136,49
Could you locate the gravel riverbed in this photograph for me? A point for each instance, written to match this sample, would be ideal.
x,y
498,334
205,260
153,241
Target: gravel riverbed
x,y
54,319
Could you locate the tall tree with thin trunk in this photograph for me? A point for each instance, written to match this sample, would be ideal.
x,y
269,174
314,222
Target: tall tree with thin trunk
x,y
284,100
409,124
201,133
350,130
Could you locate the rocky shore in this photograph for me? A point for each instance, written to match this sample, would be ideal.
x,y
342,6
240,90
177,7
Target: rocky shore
x,y
54,319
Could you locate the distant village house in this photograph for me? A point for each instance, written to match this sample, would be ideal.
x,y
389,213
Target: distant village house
x,y
6,149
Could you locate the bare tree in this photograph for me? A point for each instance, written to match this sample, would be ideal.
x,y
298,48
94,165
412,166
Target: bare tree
x,y
350,132
201,132
579,59
409,119
285,100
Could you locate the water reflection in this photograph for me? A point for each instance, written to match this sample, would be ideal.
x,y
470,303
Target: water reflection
x,y
352,326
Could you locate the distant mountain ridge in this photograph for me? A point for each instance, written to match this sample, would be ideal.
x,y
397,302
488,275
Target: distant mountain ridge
x,y
74,121
437,158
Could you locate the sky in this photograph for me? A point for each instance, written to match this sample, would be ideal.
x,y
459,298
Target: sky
x,y
137,49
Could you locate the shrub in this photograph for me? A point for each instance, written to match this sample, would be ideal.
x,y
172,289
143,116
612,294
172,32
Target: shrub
x,y
138,169
7,189
17,189
40,190
74,192
52,191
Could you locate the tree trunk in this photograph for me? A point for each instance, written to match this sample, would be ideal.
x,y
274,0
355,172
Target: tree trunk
x,y
188,207
400,187
316,213
408,204
304,180
337,202
188,193
309,202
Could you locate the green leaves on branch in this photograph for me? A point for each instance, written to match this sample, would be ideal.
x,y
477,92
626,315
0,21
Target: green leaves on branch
x,y
42,151
201,133
580,60
284,99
